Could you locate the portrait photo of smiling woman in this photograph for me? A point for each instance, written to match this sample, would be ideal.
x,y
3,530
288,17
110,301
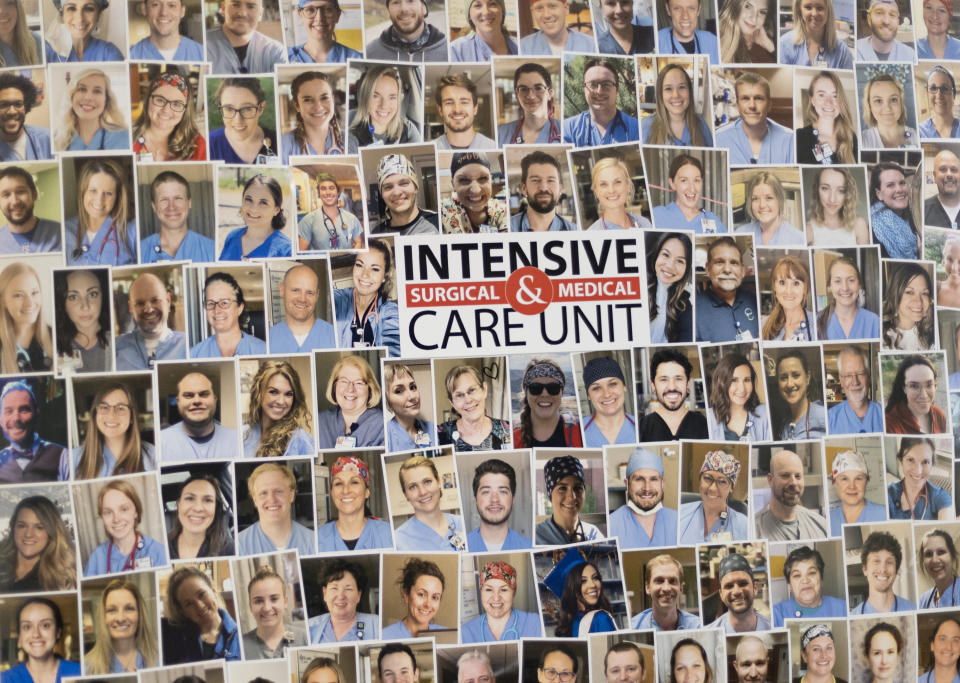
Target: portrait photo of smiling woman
x,y
795,384
425,503
37,552
429,593
270,608
124,635
94,103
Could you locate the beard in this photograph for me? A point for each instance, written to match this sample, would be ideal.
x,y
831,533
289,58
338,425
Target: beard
x,y
646,505
542,205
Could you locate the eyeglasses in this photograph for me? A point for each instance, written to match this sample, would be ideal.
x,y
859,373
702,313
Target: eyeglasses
x,y
709,481
119,410
538,90
222,304
536,388
310,11
176,106
553,675
17,105
247,112
345,384
939,90
594,86
917,387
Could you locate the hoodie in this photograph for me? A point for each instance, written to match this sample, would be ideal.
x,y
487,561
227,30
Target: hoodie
x,y
431,46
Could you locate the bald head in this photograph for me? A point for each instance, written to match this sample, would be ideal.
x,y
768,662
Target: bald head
x,y
196,403
785,479
751,660
946,174
300,290
149,303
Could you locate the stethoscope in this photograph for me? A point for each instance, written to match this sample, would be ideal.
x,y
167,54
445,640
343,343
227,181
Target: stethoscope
x,y
930,602
511,626
921,496
723,522
804,334
131,560
111,236
330,226
359,326
517,138
674,46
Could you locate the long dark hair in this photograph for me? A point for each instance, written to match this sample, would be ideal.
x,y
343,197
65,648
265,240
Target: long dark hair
x,y
678,298
276,192
569,604
218,533
900,275
300,132
905,214
780,406
719,391
65,329
898,393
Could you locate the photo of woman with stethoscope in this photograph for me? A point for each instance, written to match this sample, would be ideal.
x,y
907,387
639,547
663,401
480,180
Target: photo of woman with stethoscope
x,y
102,230
499,620
944,651
533,93
791,315
937,558
796,393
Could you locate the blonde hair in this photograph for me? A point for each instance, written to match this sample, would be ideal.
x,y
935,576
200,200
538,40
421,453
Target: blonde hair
x,y
365,92
42,333
800,28
24,47
848,212
268,467
733,44
100,659
415,461
110,119
611,162
363,366
275,440
843,127
121,207
764,178
883,78
456,372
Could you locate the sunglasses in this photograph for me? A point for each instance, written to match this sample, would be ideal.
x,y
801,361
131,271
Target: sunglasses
x,y
553,388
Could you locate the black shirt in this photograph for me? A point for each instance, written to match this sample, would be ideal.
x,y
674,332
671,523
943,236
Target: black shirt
x,y
693,426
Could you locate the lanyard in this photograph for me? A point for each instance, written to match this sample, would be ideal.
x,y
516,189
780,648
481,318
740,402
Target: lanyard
x,y
674,46
131,560
511,626
517,138
361,324
112,237
331,227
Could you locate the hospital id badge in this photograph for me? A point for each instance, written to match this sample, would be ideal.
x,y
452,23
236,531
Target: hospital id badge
x,y
346,442
745,335
721,537
267,160
709,226
142,562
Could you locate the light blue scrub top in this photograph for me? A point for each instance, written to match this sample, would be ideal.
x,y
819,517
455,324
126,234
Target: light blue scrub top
x,y
104,249
839,58
415,535
187,51
97,51
519,625
899,605
513,541
248,346
176,446
253,541
194,247
670,217
624,524
594,438
842,420
705,43
376,534
950,597
320,336
900,52
924,51
690,525
685,622
339,53
472,48
152,554
44,237
537,43
301,443
872,512
101,140
38,145
777,148
366,627
646,125
866,325
829,608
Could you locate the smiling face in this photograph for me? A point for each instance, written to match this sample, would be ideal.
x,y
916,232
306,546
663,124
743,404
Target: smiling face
x,y
384,101
545,405
38,633
407,17
786,478
805,583
790,290
820,656
486,16
624,667
273,497
550,16
300,292
845,284
567,498
618,13
936,558
600,88
494,498
122,615
423,600
675,93
80,17
884,656
258,207
645,488
813,14
12,118
113,415
688,186
684,15
751,661
238,99
119,516
496,598
278,398
533,94
940,93
369,273
741,386
851,487
951,264
714,489
17,414
946,175
422,490
16,198
893,190
89,98
920,385
764,205
351,390
29,534
936,17
664,584
737,591
163,16
612,189
197,506
885,102
688,665
469,398
880,570
220,319
473,186
753,16
315,101
671,264
671,386
884,21
753,103
328,193
197,601
164,118
324,21
22,299
349,492
916,464
591,587
826,101
542,187
341,596
240,17
8,20
792,380
100,198
608,396
196,400
171,203
832,192
914,303
403,396
268,602
399,193
946,644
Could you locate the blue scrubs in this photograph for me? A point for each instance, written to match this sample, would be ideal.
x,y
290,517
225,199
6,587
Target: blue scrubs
x,y
10,58
646,125
952,51
927,130
101,140
705,43
104,249
399,439
248,346
645,621
866,325
38,146
320,336
262,54
690,525
581,131
777,148
838,58
386,329
132,350
322,234
594,438
537,43
194,247
830,607
339,53
624,524
811,425
670,217
399,631
97,51
871,512
520,222
187,51
376,534
253,541
366,627
472,48
368,430
900,52
44,237
899,605
508,133
784,236
513,541
842,420
301,443
148,458
276,245
519,625
20,673
928,505
117,667
950,597
177,446
152,554
415,535
288,147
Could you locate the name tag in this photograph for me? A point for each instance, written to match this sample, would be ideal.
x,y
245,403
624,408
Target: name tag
x,y
722,537
709,226
346,442
142,562
745,335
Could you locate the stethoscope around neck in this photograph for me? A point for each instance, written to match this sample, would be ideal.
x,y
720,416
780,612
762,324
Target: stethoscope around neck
x,y
674,47
512,624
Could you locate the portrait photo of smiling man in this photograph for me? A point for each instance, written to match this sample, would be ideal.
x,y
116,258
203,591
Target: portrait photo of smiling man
x,y
554,35
785,516
193,413
26,456
596,94
649,516
874,584
670,379
733,585
402,179
881,28
664,589
164,42
940,210
24,232
408,37
20,141
462,101
753,137
236,46
726,308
